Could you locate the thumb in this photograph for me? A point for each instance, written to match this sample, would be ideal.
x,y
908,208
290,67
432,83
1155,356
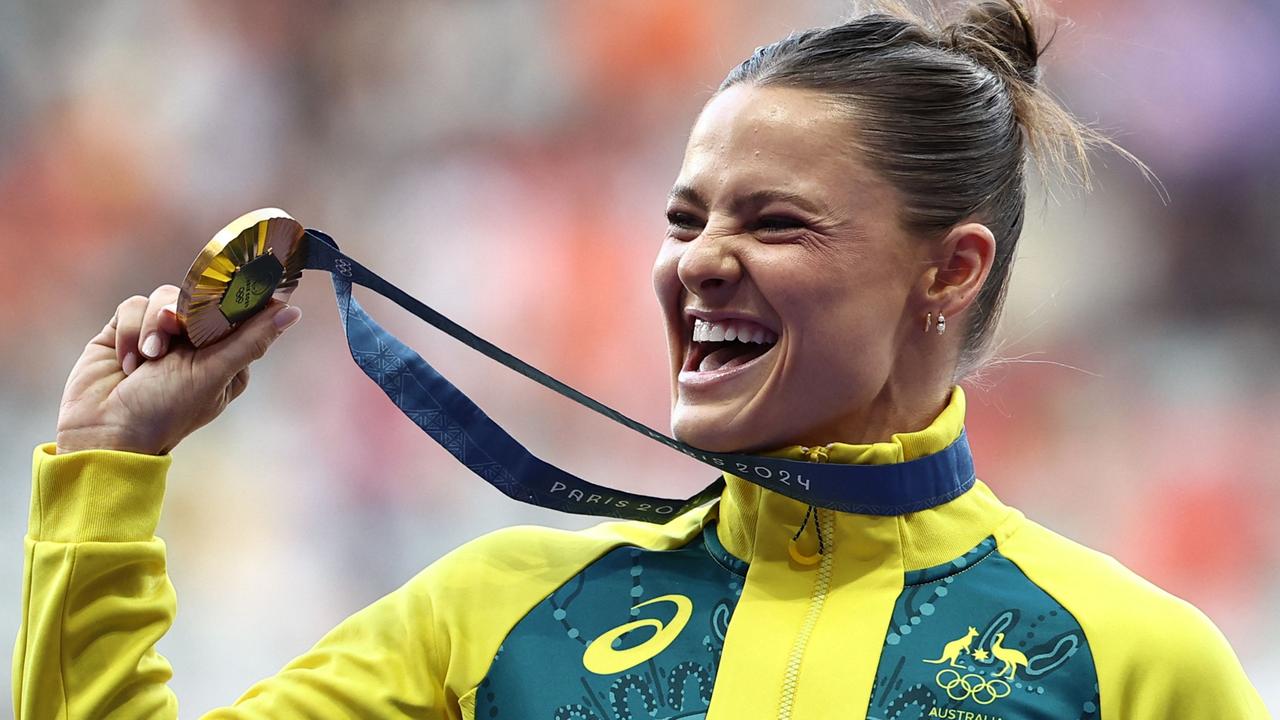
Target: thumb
x,y
251,340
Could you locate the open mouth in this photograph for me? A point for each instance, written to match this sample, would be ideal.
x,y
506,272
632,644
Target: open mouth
x,y
726,344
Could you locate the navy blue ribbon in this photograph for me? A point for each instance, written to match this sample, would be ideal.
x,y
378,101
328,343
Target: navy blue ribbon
x,y
450,418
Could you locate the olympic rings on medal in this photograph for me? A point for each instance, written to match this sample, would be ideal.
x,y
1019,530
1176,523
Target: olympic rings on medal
x,y
972,686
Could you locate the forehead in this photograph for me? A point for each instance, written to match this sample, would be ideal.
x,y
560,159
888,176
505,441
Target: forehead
x,y
784,138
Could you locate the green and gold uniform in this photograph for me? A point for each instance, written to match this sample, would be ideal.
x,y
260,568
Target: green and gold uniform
x,y
753,606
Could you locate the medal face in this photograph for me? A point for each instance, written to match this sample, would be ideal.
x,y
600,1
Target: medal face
x,y
260,255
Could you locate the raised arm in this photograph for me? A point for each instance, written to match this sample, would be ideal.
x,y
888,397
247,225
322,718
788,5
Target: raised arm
x,y
97,598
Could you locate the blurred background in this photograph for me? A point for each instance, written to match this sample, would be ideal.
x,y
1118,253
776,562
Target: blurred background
x,y
507,162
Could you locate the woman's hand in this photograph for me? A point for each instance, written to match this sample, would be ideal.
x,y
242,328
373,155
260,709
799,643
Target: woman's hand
x,y
141,387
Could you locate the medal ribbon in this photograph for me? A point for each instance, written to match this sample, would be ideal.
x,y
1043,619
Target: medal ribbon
x,y
450,418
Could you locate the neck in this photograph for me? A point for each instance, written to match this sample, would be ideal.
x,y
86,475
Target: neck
x,y
896,407
917,389
937,431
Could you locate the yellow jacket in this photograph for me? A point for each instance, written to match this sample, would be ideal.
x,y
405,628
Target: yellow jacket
x,y
748,607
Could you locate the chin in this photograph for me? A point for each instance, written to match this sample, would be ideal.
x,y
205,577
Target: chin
x,y
715,430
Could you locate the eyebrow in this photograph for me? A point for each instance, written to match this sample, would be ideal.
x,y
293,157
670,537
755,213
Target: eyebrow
x,y
752,199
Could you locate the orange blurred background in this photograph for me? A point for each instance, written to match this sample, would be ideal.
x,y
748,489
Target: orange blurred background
x,y
507,162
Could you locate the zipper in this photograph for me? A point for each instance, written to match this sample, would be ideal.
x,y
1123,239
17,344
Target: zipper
x,y
823,525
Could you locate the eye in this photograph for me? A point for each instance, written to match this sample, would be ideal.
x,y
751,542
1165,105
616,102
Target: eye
x,y
682,224
779,223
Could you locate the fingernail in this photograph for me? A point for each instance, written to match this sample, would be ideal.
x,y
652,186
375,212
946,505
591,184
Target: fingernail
x,y
287,317
171,308
151,346
130,363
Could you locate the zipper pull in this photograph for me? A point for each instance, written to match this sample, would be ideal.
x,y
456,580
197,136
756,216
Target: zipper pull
x,y
798,556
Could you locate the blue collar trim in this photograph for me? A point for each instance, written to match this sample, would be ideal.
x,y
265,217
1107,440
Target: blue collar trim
x,y
910,486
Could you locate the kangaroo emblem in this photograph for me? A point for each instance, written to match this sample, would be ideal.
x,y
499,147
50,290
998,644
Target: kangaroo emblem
x,y
952,651
1010,657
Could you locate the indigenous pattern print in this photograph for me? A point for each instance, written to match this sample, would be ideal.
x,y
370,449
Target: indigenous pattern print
x,y
638,634
974,638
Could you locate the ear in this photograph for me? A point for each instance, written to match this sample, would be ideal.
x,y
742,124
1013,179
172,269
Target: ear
x,y
963,261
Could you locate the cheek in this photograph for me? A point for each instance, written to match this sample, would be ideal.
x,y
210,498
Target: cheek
x,y
666,279
845,324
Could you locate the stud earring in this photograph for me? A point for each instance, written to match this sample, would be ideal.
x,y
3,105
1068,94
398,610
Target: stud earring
x,y
942,324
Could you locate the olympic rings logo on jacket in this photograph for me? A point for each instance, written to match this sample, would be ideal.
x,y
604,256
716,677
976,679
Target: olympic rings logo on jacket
x,y
972,686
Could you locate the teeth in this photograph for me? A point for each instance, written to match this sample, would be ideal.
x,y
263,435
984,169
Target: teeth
x,y
730,330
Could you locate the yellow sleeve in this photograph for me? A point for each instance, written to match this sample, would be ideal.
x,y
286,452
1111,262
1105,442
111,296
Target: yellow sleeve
x,y
97,598
388,660
1157,656
1187,664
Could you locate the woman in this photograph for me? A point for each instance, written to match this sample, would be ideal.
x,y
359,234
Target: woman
x,y
840,238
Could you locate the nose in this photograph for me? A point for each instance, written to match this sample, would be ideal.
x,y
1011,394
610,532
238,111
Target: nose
x,y
709,267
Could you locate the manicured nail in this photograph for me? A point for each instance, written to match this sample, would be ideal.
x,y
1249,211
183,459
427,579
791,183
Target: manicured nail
x,y
151,346
287,317
130,363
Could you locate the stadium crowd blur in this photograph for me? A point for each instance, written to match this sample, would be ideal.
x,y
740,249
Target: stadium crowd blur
x,y
507,162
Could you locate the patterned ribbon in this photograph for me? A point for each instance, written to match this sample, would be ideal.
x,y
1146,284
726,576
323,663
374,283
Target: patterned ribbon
x,y
455,422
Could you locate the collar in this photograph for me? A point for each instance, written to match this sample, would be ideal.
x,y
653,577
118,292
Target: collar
x,y
911,472
928,473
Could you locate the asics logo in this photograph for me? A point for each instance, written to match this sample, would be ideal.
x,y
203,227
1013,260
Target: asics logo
x,y
602,659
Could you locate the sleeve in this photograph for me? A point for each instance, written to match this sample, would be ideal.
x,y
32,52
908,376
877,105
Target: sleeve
x,y
97,598
1157,656
1180,660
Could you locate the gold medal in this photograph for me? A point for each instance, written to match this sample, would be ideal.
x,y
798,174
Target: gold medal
x,y
258,256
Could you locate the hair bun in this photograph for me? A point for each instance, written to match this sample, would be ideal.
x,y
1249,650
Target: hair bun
x,y
998,34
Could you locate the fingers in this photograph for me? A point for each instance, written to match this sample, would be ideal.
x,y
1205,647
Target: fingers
x,y
128,328
251,340
159,322
143,327
106,337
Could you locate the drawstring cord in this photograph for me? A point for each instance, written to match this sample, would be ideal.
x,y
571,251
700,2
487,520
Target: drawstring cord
x,y
808,514
818,455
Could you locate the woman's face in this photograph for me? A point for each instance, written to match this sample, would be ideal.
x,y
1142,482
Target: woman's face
x,y
787,286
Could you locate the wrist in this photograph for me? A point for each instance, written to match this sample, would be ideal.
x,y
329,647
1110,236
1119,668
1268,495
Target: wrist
x,y
69,441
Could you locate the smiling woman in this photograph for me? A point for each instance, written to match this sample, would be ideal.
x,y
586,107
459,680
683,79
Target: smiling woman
x,y
776,221
840,236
